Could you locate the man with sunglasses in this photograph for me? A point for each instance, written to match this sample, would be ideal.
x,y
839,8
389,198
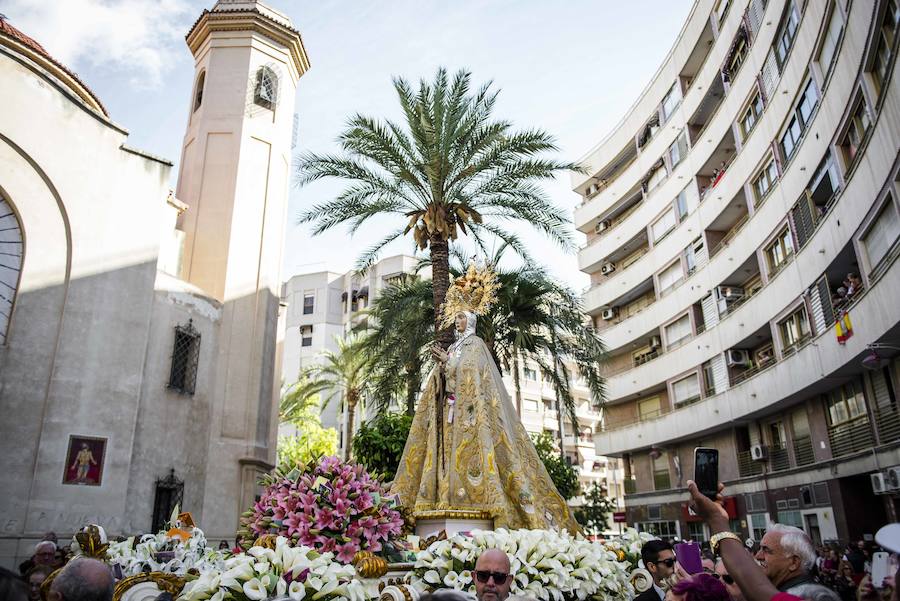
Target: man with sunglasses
x,y
492,577
659,559
721,572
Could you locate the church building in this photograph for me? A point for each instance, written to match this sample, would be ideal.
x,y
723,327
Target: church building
x,y
140,327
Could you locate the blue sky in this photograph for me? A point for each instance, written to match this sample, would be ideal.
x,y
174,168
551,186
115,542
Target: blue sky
x,y
572,68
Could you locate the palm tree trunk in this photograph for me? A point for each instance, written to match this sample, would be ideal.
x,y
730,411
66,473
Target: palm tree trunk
x,y
440,282
517,381
351,417
412,389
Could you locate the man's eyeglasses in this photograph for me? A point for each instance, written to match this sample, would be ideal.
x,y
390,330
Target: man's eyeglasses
x,y
484,575
669,563
726,578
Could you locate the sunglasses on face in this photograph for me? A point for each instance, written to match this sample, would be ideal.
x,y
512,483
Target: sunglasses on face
x,y
726,578
484,575
669,563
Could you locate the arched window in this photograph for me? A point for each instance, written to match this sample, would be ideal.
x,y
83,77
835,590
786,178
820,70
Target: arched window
x,y
266,90
198,94
10,263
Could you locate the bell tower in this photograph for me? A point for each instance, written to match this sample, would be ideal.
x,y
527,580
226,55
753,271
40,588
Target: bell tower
x,y
234,174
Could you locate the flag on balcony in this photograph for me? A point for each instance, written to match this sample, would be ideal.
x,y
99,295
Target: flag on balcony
x,y
842,327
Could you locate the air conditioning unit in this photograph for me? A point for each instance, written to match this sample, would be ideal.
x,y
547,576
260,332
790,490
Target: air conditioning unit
x,y
609,313
592,189
655,342
608,268
730,293
758,452
892,478
878,484
602,226
737,357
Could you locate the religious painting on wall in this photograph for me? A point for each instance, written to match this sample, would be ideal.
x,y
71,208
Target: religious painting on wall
x,y
84,460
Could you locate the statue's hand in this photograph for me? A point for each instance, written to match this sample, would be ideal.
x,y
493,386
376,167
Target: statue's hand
x,y
439,354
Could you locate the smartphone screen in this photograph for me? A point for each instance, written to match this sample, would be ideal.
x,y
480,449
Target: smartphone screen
x,y
879,569
706,471
688,556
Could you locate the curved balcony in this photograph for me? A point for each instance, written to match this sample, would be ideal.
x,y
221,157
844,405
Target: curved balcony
x,y
744,162
657,146
813,369
832,234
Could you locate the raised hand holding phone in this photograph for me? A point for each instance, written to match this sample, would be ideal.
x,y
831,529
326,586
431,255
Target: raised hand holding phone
x,y
706,471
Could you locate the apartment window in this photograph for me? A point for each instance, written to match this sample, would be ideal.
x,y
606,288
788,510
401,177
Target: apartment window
x,y
682,206
678,150
784,39
530,405
660,466
794,329
846,403
830,43
309,302
697,532
694,256
757,522
665,530
764,181
671,101
750,115
306,333
721,9
882,234
663,225
670,276
884,44
779,250
265,93
185,358
649,408
530,374
853,137
686,389
790,518
678,331
799,120
736,56
657,175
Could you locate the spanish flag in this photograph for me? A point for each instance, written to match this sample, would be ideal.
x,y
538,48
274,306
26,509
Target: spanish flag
x,y
842,327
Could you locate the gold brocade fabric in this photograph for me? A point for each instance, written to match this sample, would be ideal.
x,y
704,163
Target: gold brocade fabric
x,y
483,460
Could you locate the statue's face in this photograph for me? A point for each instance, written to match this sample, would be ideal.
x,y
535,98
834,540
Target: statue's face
x,y
460,322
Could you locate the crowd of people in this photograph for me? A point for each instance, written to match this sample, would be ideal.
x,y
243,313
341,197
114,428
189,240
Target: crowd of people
x,y
786,566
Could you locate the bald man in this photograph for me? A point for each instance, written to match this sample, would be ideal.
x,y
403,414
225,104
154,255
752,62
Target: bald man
x,y
492,577
83,579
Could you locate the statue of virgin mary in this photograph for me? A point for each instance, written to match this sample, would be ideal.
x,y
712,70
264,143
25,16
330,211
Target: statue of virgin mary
x,y
467,449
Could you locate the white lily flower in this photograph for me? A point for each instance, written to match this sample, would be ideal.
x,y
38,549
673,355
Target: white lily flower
x,y
255,590
296,591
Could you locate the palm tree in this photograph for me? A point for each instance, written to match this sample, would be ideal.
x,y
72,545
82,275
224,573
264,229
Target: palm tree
x,y
448,168
399,332
343,374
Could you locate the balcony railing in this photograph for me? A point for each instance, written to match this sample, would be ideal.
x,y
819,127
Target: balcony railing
x,y
613,223
749,373
778,457
850,437
630,486
803,450
735,229
747,466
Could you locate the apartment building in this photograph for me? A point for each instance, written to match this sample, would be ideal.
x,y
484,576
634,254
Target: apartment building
x,y
742,226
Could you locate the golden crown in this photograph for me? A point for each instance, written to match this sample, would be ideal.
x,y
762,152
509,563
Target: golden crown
x,y
474,291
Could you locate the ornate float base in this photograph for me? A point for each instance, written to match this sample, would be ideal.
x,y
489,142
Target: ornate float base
x,y
451,521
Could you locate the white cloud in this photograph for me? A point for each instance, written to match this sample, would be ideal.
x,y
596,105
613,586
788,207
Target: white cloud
x,y
138,38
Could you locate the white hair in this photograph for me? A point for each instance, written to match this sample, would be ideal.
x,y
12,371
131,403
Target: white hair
x,y
796,542
45,543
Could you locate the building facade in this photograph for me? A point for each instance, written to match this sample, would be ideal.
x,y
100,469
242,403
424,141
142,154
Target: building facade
x,y
742,224
139,345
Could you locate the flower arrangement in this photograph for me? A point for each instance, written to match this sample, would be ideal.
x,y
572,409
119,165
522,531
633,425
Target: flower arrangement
x,y
333,507
627,546
285,570
545,564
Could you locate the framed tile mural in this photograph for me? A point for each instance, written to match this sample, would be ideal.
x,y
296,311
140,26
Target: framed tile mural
x,y
84,460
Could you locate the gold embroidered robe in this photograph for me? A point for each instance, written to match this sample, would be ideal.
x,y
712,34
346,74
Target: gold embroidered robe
x,y
483,460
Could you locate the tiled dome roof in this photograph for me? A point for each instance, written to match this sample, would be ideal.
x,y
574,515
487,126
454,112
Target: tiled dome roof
x,y
8,32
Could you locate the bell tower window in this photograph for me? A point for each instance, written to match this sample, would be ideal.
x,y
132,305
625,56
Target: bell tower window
x,y
198,94
266,91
